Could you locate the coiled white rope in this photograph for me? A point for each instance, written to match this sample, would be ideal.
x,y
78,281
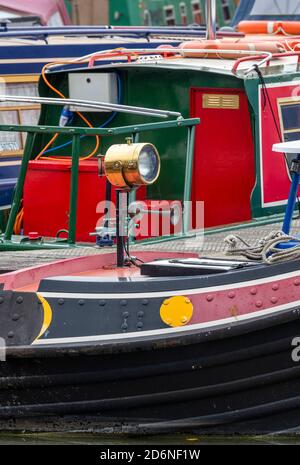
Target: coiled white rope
x,y
265,250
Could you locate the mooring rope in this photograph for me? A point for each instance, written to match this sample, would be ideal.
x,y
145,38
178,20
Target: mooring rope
x,y
265,250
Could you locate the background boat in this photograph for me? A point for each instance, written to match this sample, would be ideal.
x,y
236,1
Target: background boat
x,y
267,10
43,12
149,12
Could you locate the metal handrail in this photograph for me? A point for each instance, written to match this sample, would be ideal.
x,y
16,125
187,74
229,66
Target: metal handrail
x,y
7,243
268,57
132,53
71,131
92,105
142,32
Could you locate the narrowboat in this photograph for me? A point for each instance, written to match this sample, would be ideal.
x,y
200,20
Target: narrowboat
x,y
25,49
248,104
194,329
43,12
167,13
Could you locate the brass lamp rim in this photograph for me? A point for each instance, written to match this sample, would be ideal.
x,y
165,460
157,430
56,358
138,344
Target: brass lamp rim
x,y
121,164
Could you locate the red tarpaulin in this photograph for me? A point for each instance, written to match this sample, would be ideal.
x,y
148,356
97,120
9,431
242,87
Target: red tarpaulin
x,y
45,9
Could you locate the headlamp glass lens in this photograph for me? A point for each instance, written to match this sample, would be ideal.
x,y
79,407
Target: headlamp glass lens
x,y
148,163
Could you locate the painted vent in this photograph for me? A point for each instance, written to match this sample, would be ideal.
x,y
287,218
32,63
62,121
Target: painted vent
x,y
228,102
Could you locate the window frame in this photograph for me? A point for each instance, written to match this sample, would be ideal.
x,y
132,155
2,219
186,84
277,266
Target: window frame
x,y
183,13
226,5
167,18
199,11
18,79
283,102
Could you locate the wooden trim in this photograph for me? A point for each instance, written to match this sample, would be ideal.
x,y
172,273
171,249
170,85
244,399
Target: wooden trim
x,y
21,78
288,100
291,131
20,108
7,153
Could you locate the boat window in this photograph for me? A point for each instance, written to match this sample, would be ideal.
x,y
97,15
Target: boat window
x,y
170,15
197,12
147,18
289,115
12,143
226,10
183,14
290,118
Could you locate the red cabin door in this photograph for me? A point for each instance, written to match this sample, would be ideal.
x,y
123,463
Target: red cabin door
x,y
224,164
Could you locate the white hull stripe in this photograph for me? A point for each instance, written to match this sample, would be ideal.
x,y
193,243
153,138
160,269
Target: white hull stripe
x,y
168,331
189,292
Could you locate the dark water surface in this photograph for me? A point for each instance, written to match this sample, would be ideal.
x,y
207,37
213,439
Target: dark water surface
x,y
115,439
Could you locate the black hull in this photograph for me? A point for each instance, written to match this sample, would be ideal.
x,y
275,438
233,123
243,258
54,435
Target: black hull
x,y
237,379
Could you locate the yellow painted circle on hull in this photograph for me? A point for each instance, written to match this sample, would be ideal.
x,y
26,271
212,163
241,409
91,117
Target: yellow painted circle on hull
x,y
177,311
47,315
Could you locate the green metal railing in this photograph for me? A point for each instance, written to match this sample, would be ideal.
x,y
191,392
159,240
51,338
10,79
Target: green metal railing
x,y
8,242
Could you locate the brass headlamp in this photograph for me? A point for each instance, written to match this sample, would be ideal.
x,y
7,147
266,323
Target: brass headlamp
x,y
132,165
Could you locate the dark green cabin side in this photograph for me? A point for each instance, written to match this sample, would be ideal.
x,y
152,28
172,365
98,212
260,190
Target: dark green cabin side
x,y
166,12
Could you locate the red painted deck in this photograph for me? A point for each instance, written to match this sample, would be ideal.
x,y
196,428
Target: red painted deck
x,y
28,279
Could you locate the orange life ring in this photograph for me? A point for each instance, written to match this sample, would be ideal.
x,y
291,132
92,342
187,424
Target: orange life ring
x,y
290,43
197,49
270,27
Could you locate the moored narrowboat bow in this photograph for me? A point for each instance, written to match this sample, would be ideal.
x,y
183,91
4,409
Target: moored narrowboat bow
x,y
171,334
208,344
212,353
